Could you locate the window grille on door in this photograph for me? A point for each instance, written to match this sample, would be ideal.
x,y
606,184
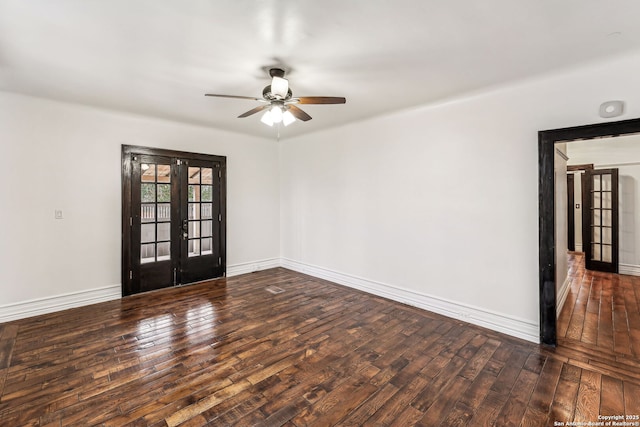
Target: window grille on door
x,y
600,219
200,209
155,213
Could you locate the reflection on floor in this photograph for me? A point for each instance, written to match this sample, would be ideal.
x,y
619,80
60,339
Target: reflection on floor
x,y
233,352
602,311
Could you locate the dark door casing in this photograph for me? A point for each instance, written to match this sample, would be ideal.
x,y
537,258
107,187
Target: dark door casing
x,y
546,209
173,218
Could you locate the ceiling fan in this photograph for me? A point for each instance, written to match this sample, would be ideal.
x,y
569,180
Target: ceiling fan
x,y
279,103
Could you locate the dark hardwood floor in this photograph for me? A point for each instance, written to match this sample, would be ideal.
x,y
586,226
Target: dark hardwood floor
x,y
229,352
602,310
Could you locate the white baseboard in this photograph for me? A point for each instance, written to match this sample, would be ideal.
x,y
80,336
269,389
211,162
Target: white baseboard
x,y
629,269
499,322
55,303
250,267
562,295
46,305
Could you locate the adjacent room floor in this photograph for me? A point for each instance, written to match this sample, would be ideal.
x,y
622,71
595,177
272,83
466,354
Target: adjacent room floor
x,y
602,311
279,348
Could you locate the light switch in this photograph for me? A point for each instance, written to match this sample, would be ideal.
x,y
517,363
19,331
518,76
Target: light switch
x,y
58,214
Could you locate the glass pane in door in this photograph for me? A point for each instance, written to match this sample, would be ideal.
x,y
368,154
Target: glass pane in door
x,y
194,175
207,210
164,251
601,218
194,247
206,245
155,212
164,173
200,198
207,176
147,253
147,212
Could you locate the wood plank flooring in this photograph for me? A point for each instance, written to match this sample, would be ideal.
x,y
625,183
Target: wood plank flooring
x,y
229,352
602,311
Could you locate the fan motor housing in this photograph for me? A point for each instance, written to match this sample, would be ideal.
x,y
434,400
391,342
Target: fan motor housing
x,y
266,94
276,72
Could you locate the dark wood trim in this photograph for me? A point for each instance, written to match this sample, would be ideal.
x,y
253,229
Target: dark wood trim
x,y
575,168
571,221
546,206
586,214
127,151
126,214
223,215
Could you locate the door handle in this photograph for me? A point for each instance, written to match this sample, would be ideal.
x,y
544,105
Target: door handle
x,y
185,229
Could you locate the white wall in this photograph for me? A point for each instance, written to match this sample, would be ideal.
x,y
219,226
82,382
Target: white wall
x,y
439,204
61,156
623,153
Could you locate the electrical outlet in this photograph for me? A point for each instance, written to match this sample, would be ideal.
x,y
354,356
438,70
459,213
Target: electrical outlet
x,y
58,214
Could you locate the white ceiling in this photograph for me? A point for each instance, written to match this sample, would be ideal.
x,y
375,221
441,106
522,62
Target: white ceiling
x,y
159,57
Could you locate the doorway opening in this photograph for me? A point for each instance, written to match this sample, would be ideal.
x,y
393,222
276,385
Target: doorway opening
x,y
546,205
173,218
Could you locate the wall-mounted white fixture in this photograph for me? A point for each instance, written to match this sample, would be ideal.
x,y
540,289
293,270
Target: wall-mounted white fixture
x,y
611,109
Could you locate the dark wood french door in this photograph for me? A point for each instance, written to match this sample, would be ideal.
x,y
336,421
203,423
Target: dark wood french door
x,y
173,218
571,222
600,219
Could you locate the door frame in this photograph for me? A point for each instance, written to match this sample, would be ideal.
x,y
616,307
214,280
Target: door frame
x,y
127,151
546,208
581,170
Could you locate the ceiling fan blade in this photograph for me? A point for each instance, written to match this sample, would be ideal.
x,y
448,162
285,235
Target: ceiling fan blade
x,y
321,100
254,110
234,96
299,114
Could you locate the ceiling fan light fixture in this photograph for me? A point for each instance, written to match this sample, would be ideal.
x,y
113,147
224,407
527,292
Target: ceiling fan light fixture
x,y
267,119
279,87
278,103
288,118
276,114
